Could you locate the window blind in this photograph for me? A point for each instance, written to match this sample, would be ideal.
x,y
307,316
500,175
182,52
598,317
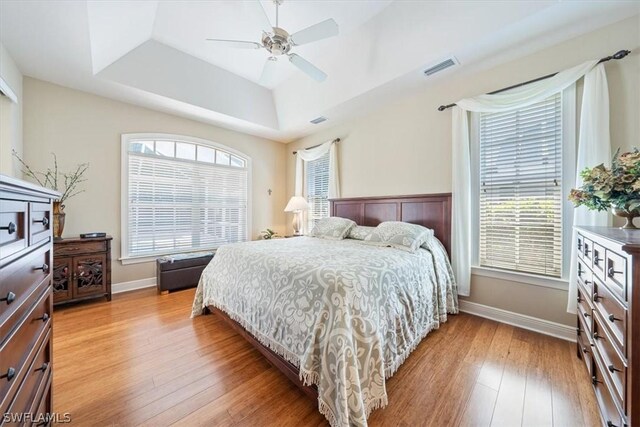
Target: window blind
x,y
317,189
520,191
184,197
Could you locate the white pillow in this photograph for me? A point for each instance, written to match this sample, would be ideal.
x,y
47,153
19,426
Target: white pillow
x,y
332,228
399,235
360,232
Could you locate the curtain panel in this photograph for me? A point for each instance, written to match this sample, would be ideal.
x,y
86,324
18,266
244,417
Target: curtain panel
x,y
314,154
593,144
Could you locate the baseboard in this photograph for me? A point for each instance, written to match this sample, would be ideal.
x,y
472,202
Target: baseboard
x,y
117,288
523,321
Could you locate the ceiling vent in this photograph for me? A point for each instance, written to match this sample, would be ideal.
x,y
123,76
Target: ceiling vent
x,y
319,120
449,62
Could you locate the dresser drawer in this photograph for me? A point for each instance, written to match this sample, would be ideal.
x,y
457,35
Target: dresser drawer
x,y
584,345
85,247
580,245
15,351
585,277
584,311
616,272
587,251
613,312
40,222
13,227
610,412
615,366
34,381
19,279
599,262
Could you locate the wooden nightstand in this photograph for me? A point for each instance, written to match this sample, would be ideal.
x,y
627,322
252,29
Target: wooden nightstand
x,y
81,269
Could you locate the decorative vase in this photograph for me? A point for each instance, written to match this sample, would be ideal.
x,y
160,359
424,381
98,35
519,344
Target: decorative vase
x,y
628,215
58,220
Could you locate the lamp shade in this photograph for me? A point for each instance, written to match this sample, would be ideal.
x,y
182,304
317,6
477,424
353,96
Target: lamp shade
x,y
297,203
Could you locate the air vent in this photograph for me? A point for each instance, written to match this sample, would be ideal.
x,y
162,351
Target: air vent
x,y
319,120
449,62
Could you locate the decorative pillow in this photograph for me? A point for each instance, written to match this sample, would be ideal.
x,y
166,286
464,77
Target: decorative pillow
x,y
399,235
360,232
332,228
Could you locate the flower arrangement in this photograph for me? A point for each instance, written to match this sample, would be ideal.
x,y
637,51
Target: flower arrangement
x,y
64,182
268,234
616,188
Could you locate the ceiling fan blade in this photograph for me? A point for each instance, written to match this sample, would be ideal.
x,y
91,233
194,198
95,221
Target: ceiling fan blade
x,y
307,67
268,72
237,44
319,31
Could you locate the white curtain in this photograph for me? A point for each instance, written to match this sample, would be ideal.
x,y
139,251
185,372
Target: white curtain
x,y
594,147
461,162
314,154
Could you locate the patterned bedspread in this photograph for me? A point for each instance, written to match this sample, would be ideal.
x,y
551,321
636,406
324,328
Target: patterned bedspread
x,y
346,313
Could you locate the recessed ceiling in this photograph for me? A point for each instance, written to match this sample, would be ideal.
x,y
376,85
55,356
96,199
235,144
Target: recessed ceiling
x,y
154,53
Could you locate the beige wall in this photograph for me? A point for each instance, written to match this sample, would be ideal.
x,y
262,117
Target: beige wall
x,y
10,116
405,147
80,127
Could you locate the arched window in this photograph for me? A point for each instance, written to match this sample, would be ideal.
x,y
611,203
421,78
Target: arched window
x,y
181,194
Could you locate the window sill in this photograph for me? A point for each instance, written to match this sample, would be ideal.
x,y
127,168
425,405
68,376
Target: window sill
x,y
529,279
153,258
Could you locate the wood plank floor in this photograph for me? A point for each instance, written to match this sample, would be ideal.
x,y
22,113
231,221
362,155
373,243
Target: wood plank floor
x,y
140,360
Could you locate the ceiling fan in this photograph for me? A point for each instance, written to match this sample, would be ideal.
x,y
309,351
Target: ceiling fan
x,y
279,42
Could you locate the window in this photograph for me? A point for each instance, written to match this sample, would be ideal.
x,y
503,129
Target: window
x,y
317,189
181,194
523,168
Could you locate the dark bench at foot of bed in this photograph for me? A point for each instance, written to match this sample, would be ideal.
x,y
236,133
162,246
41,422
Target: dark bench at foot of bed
x,y
180,271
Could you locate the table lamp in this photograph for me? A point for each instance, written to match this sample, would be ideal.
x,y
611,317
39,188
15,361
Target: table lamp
x,y
297,204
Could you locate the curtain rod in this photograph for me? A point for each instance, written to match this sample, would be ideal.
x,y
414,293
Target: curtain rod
x,y
317,145
618,55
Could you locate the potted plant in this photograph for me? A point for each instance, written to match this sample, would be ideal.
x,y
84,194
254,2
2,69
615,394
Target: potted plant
x,y
616,188
64,182
268,234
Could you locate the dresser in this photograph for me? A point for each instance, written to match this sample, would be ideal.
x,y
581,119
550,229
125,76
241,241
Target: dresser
x,y
608,323
81,269
25,299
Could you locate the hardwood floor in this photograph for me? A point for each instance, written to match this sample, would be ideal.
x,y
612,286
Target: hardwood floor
x,y
140,360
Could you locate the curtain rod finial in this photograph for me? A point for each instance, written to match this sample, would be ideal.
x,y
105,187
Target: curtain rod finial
x,y
442,108
621,54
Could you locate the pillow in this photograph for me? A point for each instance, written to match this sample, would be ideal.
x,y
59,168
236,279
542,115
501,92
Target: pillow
x,y
360,232
332,228
399,235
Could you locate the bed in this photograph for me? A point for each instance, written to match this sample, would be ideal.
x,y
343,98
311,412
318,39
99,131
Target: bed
x,y
338,317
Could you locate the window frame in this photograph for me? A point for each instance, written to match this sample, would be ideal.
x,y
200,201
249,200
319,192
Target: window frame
x,y
306,194
125,140
569,148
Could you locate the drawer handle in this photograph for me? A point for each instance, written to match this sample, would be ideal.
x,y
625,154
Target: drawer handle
x,y
43,267
579,245
596,259
613,318
579,331
9,298
11,372
587,250
597,336
596,297
594,380
585,314
44,317
11,228
611,272
584,350
613,369
588,282
44,221
610,424
43,368
579,299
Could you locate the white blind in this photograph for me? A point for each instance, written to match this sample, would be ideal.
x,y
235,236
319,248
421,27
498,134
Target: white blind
x,y
317,183
183,197
521,189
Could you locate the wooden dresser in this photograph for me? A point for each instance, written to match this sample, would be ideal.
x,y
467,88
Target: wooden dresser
x,y
609,319
25,300
81,269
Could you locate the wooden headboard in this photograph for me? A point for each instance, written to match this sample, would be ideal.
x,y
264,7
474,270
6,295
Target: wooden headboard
x,y
429,210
